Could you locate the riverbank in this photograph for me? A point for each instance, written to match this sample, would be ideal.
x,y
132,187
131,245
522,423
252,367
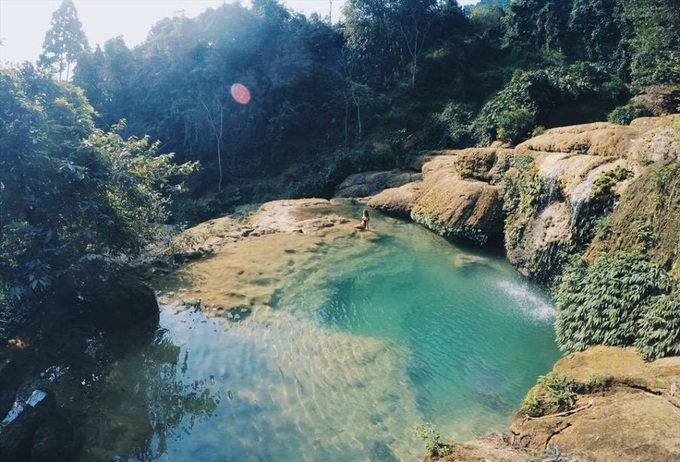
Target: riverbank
x,y
629,391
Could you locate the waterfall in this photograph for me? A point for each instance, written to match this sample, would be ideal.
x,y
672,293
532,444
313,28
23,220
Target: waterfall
x,y
552,189
575,208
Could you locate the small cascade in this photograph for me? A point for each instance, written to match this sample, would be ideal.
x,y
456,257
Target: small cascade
x,y
575,209
552,189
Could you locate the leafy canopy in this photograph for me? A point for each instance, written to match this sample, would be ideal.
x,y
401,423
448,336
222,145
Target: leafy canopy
x,y
69,193
65,41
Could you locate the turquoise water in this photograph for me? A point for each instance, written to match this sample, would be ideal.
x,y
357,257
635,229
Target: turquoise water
x,y
386,330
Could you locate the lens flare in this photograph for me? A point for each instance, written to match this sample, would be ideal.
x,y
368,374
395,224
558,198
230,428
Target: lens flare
x,y
240,93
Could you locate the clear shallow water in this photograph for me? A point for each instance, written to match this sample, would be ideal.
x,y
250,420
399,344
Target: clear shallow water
x,y
386,331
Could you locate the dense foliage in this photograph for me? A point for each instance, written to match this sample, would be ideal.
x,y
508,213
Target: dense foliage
x,y
324,101
69,193
553,96
427,71
176,87
618,300
654,42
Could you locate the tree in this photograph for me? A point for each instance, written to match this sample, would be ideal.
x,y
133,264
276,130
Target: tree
x,y
414,22
65,40
70,193
372,37
539,25
655,41
596,31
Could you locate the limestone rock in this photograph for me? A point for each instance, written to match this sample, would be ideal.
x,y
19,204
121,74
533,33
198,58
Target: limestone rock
x,y
447,203
557,201
457,209
634,419
660,99
397,201
595,139
370,183
576,175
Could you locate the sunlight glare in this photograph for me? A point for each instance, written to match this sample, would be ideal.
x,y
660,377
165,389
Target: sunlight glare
x,y
240,93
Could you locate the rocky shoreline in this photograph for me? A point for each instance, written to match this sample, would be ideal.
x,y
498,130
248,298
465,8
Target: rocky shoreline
x,y
540,198
557,185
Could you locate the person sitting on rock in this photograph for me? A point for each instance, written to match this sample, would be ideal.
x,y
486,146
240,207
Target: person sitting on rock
x,y
363,226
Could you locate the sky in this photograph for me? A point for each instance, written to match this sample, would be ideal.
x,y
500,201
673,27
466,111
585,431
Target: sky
x,y
23,23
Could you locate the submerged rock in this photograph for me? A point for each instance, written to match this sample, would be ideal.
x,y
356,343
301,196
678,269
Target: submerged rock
x,y
38,432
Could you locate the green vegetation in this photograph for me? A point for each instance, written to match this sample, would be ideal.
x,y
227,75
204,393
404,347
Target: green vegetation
x,y
531,405
602,191
557,392
433,440
620,300
560,390
654,41
71,194
328,100
547,97
623,115
65,41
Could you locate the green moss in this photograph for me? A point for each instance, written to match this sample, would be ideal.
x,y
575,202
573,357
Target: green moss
x,y
603,187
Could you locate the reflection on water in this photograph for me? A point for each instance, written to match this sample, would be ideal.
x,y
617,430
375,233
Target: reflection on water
x,y
376,334
140,403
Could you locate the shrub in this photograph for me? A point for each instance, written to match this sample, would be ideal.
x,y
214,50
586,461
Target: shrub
x,y
660,328
515,124
433,441
560,390
623,115
538,130
450,126
532,405
603,303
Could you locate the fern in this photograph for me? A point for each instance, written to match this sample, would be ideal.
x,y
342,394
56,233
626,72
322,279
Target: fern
x,y
660,328
606,302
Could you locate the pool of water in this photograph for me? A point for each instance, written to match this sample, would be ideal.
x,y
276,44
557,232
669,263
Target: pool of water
x,y
382,332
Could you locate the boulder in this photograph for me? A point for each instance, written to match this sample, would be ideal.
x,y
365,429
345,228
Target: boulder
x,y
120,302
461,209
109,302
370,183
634,417
660,99
447,203
397,201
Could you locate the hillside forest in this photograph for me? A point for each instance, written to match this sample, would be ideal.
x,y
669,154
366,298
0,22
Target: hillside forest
x,y
246,104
